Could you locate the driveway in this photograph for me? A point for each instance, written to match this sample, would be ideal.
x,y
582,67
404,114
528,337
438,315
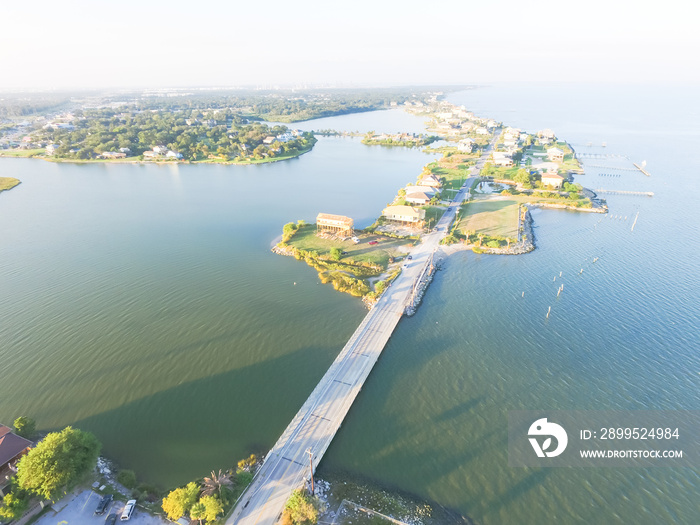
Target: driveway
x,y
78,508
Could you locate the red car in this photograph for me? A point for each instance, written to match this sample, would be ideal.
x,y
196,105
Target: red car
x,y
373,242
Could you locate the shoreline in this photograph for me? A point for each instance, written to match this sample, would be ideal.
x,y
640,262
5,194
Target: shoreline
x,y
158,162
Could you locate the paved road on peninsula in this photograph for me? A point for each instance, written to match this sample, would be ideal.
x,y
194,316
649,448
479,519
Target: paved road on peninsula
x,y
314,426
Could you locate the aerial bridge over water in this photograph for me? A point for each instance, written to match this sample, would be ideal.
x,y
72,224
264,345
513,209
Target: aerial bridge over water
x,y
303,443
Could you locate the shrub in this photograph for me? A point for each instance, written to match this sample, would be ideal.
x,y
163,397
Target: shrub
x,y
127,478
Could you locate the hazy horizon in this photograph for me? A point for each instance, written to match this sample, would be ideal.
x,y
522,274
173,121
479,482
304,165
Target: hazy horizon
x,y
82,46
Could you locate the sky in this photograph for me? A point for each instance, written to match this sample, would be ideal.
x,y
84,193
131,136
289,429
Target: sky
x,y
156,43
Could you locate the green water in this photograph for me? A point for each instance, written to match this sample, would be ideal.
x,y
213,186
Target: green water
x,y
143,303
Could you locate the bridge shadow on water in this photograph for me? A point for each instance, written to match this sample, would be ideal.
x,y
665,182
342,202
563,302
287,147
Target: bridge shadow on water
x,y
219,419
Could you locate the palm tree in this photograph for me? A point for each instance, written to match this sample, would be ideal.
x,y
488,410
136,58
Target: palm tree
x,y
215,482
198,511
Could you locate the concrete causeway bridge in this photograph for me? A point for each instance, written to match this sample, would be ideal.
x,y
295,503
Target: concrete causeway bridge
x,y
308,436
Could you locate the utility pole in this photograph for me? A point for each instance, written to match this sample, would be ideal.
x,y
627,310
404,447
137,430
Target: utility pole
x,y
311,467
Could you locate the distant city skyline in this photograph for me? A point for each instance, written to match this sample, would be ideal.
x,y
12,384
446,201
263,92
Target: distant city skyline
x,y
82,45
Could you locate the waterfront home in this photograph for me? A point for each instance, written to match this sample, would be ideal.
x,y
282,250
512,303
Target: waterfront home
x,y
552,180
555,155
12,448
173,155
404,215
113,155
547,134
502,158
417,197
431,180
336,224
160,150
149,155
269,139
51,149
124,150
466,145
428,190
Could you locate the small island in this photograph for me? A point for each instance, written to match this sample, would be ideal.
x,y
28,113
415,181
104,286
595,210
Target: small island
x,y
7,183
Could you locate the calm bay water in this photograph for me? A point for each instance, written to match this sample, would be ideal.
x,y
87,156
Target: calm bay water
x,y
142,302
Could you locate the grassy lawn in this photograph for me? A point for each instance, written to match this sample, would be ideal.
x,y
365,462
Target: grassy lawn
x,y
433,214
495,217
306,239
454,177
20,152
7,183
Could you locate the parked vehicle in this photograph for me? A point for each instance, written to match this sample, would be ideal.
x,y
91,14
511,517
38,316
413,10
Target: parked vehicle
x,y
373,242
111,519
103,504
128,510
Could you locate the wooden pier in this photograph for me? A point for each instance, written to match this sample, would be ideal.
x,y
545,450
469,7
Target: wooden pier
x,y
641,168
623,192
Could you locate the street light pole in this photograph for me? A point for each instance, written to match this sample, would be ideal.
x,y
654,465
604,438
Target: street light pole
x,y
311,467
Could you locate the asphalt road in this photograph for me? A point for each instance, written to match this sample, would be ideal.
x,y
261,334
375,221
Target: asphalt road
x,y
311,431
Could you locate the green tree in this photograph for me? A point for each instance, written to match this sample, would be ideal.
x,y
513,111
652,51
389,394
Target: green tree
x,y
212,507
336,253
180,501
13,506
288,231
522,176
58,462
301,509
198,511
25,426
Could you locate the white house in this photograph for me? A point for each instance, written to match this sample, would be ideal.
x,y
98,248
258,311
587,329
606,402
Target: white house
x,y
173,155
431,180
466,145
428,190
552,179
160,150
555,155
404,214
502,158
418,197
51,149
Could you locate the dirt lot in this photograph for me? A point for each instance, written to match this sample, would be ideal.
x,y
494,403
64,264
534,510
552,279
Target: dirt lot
x,y
78,508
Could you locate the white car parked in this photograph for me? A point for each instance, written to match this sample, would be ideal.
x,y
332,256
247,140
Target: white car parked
x,y
128,510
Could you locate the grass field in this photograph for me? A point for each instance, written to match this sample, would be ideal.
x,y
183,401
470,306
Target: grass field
x,y
20,152
495,217
306,239
7,183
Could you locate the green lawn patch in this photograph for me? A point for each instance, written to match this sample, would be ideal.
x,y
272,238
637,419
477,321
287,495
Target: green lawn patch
x,y
7,183
433,215
21,152
495,218
379,254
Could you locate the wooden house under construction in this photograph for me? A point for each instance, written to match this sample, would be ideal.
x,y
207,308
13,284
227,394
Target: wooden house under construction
x,y
335,224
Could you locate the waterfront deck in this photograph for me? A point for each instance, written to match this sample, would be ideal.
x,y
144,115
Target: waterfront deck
x,y
315,424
